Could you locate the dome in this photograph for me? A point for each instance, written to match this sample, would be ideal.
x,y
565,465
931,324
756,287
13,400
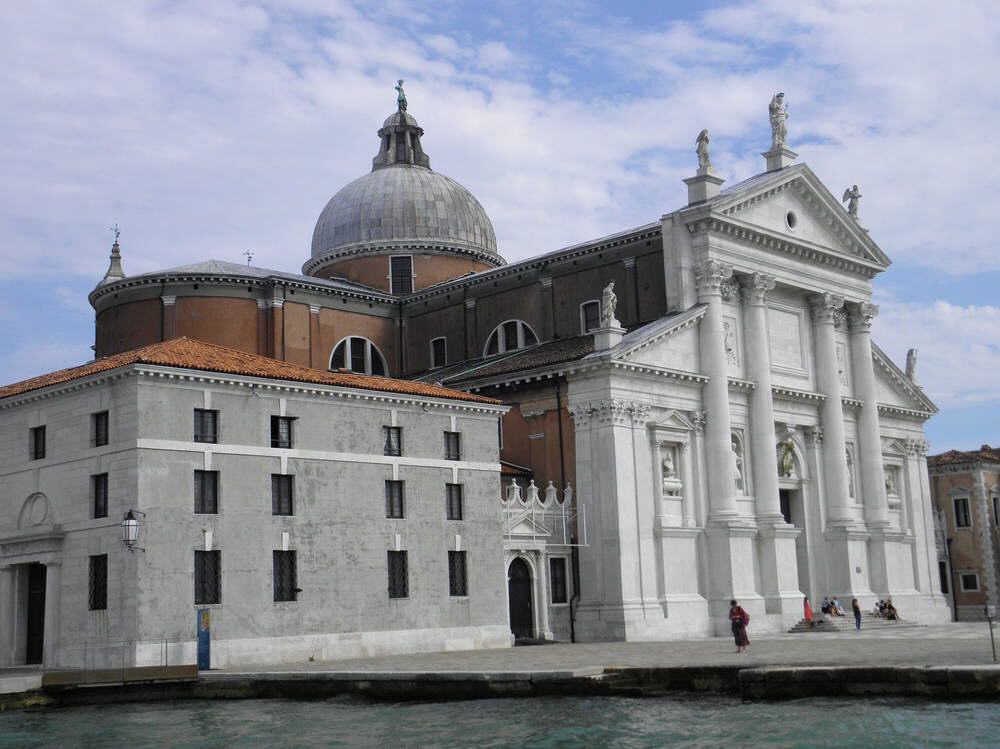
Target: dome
x,y
402,204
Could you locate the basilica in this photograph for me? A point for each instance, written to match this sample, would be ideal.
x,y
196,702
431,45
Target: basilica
x,y
657,421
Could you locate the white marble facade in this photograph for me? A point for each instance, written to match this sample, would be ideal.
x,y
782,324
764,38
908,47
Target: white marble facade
x,y
743,446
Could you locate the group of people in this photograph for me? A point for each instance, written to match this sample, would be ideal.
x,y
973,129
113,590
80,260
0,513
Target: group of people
x,y
886,610
832,607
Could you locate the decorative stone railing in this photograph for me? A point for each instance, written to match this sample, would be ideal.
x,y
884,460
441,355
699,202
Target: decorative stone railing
x,y
551,518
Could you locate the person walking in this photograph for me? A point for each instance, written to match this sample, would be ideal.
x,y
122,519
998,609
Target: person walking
x,y
739,619
857,613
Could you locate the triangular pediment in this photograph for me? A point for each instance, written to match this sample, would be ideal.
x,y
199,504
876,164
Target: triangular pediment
x,y
793,203
894,389
523,526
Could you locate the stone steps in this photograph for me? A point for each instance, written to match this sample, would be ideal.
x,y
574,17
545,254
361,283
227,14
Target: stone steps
x,y
846,624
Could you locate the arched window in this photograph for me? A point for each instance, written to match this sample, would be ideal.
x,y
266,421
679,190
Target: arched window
x,y
510,336
590,316
358,355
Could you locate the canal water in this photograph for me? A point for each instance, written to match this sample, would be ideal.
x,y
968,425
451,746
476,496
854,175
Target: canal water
x,y
697,721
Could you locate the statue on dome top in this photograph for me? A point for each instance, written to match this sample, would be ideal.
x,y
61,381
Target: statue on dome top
x,y
704,161
401,99
852,197
778,114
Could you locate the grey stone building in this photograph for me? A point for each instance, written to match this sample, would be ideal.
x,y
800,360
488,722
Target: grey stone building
x,y
311,514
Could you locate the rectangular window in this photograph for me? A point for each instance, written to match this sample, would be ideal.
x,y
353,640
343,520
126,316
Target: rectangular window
x,y
282,489
401,272
206,492
207,577
969,581
439,352
392,441
36,443
457,582
962,517
394,499
206,425
453,493
557,579
452,446
591,313
399,576
996,511
285,576
99,429
98,583
281,431
510,336
99,493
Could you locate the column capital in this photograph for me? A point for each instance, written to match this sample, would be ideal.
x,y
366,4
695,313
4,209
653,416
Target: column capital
x,y
710,275
699,420
618,411
470,303
861,315
917,447
168,299
755,287
825,307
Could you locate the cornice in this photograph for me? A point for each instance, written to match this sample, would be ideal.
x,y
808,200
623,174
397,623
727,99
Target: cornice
x,y
581,366
736,229
796,395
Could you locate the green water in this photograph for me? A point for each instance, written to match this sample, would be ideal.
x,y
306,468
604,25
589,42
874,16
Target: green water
x,y
542,722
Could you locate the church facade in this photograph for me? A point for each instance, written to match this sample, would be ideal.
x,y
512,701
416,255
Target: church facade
x,y
697,411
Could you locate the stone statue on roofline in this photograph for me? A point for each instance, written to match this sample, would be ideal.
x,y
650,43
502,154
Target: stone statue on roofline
x,y
852,197
401,98
701,148
778,114
609,302
911,365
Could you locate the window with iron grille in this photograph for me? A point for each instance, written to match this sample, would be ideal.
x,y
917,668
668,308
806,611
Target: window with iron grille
x,y
206,425
207,577
99,428
439,352
962,517
969,581
394,499
285,587
457,585
98,583
399,582
36,443
99,492
206,492
282,490
281,431
392,441
590,316
452,446
453,500
401,272
557,579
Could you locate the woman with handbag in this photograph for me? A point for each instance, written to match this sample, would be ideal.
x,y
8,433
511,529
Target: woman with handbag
x,y
739,619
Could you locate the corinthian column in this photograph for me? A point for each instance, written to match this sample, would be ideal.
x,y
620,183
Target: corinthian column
x,y
758,361
869,439
718,432
824,307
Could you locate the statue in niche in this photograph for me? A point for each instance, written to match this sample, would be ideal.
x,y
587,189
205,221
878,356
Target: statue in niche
x,y
852,197
842,365
609,303
890,481
730,342
701,148
737,463
671,481
401,98
778,115
911,365
786,459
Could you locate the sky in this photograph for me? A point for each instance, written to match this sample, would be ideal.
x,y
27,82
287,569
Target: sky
x,y
208,129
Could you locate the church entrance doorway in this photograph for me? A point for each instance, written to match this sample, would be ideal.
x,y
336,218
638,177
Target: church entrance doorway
x,y
794,512
522,618
35,629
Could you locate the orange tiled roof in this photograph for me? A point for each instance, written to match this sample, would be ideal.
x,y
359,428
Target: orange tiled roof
x,y
187,353
984,454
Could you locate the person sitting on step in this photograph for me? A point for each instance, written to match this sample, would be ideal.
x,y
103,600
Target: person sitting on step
x,y
835,607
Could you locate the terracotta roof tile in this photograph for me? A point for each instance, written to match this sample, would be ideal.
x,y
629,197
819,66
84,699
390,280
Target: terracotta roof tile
x,y
187,353
984,454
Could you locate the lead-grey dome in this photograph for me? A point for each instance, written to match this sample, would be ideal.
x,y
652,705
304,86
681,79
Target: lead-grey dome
x,y
402,203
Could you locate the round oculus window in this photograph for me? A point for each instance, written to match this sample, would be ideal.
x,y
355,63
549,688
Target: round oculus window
x,y
791,220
